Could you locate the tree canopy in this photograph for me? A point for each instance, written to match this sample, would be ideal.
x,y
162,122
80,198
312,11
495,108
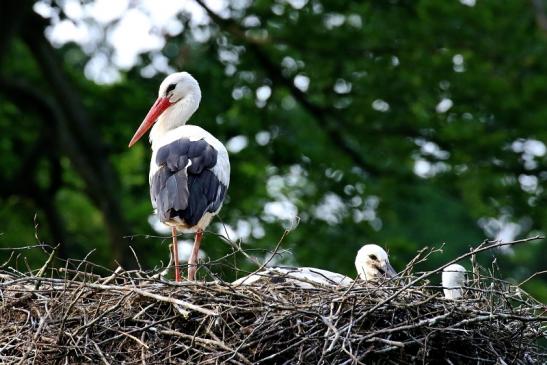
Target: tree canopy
x,y
404,123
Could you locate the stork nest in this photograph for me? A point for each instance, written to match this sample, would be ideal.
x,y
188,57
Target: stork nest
x,y
131,317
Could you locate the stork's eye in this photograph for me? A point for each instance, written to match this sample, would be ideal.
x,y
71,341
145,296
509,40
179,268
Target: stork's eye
x,y
373,257
171,87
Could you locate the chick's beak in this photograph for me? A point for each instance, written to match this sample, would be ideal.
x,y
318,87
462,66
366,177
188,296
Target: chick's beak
x,y
389,271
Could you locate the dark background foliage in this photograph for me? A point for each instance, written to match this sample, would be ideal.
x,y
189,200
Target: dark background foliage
x,y
406,123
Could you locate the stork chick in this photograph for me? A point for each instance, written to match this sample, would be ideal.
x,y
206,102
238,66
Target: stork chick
x,y
372,263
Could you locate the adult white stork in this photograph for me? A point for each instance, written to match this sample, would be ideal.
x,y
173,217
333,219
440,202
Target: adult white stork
x,y
189,169
371,263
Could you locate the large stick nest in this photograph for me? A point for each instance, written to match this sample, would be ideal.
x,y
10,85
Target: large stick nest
x,y
131,317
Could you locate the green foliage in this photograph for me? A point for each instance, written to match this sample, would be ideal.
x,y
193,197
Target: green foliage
x,y
342,150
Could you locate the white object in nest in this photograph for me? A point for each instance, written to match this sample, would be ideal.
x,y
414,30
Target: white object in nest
x,y
453,280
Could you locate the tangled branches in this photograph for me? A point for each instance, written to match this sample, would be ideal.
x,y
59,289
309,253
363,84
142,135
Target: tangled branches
x,y
131,317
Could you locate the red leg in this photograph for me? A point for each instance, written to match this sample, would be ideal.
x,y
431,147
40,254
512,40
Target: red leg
x,y
193,262
176,254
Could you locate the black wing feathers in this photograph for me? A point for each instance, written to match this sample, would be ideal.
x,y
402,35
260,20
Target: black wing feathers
x,y
184,186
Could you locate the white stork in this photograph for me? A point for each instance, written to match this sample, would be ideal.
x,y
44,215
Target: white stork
x,y
302,277
371,263
453,280
189,170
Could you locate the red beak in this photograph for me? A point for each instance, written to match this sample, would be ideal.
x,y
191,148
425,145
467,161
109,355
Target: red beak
x,y
155,111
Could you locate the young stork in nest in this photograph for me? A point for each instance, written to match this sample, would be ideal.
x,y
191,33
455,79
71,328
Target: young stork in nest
x,y
453,280
371,263
189,170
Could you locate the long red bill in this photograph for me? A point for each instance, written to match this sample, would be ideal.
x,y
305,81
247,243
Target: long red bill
x,y
155,111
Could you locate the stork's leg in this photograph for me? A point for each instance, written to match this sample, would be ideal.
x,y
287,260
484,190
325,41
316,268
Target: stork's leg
x,y
176,254
193,262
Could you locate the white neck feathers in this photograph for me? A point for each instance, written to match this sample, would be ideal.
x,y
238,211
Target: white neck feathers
x,y
175,116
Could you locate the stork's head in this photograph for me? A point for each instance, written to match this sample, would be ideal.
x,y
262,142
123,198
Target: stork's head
x,y
178,98
372,263
453,280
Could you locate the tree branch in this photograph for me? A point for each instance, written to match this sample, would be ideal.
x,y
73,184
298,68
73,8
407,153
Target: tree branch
x,y
83,141
11,16
323,116
57,133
